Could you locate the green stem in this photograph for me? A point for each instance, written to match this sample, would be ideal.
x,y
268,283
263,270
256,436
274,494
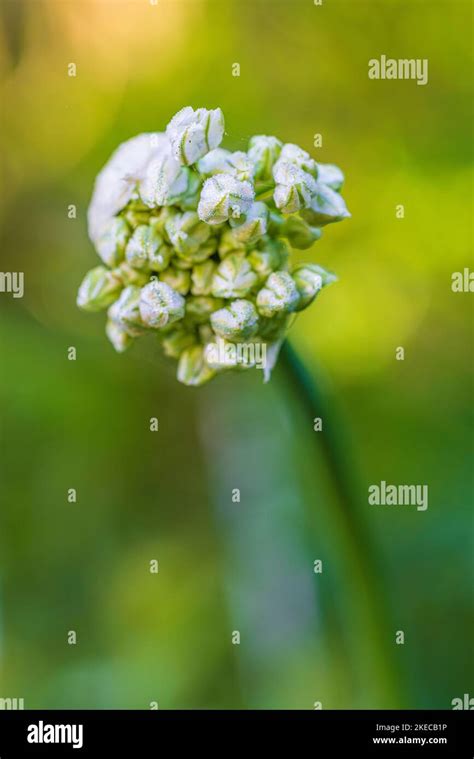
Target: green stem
x,y
357,538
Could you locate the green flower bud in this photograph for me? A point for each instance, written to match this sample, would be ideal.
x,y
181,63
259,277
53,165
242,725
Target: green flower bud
x,y
200,307
178,279
99,288
330,175
273,328
264,152
326,207
234,278
202,276
299,233
178,340
192,368
254,225
160,305
222,197
125,312
118,336
130,276
189,200
278,296
111,243
147,250
206,334
237,322
228,244
187,233
136,218
192,133
300,158
265,261
294,187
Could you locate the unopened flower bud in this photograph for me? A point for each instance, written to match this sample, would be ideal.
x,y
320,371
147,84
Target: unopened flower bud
x,y
192,368
330,175
160,305
118,336
111,243
294,187
264,152
224,197
178,279
272,257
202,276
200,307
300,158
192,133
126,312
99,288
147,250
130,276
237,322
326,207
308,282
187,233
278,296
228,244
299,233
177,340
165,181
254,225
234,278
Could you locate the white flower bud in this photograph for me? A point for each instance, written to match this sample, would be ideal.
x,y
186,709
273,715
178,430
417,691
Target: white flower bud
x,y
326,207
192,133
221,161
125,312
330,175
308,282
192,368
254,225
264,152
278,296
99,288
147,250
234,278
202,277
112,241
300,158
118,336
115,184
294,187
160,305
237,322
223,197
165,181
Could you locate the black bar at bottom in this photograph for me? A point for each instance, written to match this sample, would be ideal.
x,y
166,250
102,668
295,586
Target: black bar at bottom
x,y
312,733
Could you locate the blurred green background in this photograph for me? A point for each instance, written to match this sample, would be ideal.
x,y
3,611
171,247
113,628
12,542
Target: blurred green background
x,y
84,424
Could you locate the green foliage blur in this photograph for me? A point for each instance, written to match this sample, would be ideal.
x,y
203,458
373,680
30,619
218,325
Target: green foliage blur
x,y
167,495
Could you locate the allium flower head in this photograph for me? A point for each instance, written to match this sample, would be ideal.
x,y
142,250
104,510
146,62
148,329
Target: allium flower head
x,y
197,242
